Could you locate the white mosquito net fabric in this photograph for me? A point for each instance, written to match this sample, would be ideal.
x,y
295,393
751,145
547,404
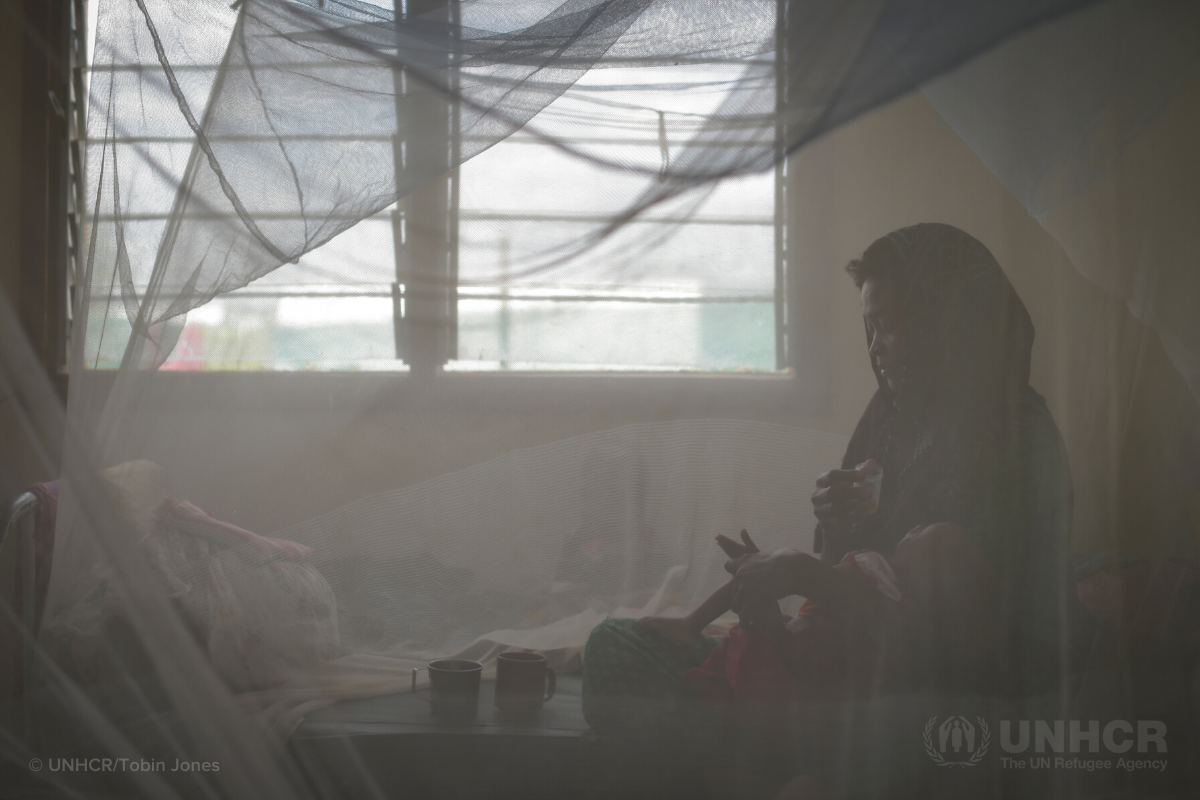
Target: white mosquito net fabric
x,y
702,158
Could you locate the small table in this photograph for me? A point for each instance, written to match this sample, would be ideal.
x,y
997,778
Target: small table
x,y
397,744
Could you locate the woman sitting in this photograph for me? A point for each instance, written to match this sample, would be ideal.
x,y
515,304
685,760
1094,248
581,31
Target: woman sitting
x,y
974,474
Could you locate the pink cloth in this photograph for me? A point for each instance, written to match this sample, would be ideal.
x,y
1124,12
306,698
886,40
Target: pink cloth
x,y
747,672
743,670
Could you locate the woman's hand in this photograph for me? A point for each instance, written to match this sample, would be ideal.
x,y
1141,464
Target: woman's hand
x,y
837,502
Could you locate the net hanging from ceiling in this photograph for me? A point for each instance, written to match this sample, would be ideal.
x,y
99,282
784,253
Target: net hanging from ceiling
x,y
417,514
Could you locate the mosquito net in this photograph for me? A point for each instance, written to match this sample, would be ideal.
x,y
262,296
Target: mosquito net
x,y
424,330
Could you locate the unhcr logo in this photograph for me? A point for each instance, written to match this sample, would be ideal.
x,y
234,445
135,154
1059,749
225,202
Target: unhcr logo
x,y
1057,737
959,742
1117,736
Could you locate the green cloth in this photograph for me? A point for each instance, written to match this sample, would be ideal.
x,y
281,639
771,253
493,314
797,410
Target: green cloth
x,y
633,680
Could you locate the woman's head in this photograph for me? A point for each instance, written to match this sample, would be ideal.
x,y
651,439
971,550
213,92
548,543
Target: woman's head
x,y
883,316
941,317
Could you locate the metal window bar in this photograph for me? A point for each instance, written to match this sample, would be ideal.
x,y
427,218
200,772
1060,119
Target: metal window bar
x,y
781,261
452,210
629,61
76,113
426,227
493,292
516,138
472,215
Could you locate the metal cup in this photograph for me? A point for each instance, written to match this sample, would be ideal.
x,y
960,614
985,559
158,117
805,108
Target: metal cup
x,y
523,682
453,687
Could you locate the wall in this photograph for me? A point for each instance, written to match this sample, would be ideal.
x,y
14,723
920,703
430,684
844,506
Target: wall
x,y
13,471
10,141
33,34
32,256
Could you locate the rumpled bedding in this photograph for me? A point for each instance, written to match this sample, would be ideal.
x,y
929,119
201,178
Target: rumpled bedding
x,y
255,605
262,612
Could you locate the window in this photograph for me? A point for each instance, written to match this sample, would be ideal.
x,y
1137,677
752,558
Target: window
x,y
463,275
688,285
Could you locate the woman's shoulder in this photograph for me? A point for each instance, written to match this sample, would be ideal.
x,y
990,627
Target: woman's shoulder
x,y
1035,422
1035,444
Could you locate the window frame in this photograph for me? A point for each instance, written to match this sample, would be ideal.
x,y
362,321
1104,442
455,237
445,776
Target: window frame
x,y
424,292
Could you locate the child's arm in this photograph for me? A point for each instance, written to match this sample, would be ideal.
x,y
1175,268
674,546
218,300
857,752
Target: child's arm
x,y
687,630
707,612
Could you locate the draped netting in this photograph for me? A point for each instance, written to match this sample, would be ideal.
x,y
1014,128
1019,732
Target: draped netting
x,y
270,175
420,514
